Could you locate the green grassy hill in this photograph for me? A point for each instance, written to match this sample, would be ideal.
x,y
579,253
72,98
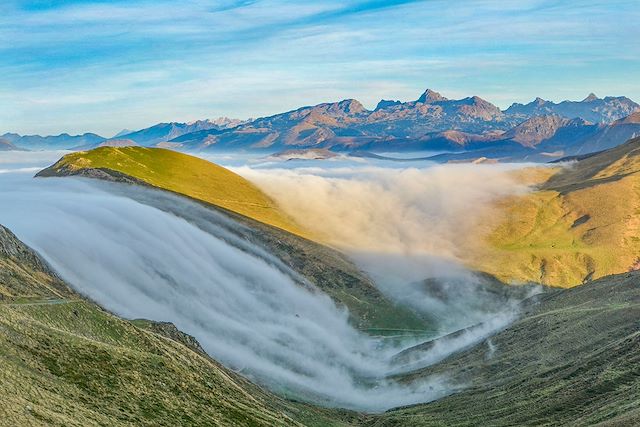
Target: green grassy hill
x,y
571,359
581,224
180,173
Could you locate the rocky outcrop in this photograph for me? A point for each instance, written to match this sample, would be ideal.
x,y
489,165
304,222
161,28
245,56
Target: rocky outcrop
x,y
24,274
536,129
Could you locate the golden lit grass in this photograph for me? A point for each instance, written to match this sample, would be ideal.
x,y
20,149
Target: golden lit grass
x,y
186,175
585,228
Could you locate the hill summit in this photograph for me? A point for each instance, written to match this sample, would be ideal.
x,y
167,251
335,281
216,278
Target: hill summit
x,y
179,173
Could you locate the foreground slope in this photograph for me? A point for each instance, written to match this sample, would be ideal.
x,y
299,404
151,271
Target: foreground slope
x,y
572,358
67,362
581,224
263,223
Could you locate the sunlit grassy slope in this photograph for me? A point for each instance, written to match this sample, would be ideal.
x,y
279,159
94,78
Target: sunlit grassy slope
x,y
582,223
183,174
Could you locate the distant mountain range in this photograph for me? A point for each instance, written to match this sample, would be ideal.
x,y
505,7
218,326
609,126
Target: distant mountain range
x,y
161,132
433,123
54,142
592,108
164,132
466,128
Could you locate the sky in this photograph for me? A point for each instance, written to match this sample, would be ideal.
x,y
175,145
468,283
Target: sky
x,y
102,66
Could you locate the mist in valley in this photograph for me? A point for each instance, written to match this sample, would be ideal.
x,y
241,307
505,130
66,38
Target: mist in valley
x,y
146,254
408,227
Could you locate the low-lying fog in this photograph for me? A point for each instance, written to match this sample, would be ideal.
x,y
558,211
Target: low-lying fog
x,y
146,254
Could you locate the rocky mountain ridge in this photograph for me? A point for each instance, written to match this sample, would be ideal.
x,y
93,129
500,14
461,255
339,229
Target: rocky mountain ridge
x,y
432,122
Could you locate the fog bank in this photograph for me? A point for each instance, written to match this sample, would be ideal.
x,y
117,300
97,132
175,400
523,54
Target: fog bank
x,y
403,225
148,254
247,311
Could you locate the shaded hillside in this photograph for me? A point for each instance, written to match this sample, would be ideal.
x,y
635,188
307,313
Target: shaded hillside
x,y
580,225
6,145
24,275
548,138
550,129
67,362
608,136
571,359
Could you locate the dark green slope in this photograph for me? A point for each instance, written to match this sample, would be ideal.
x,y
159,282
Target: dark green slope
x,y
573,358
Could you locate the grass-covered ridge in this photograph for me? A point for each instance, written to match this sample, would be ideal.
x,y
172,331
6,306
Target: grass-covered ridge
x,y
180,173
581,224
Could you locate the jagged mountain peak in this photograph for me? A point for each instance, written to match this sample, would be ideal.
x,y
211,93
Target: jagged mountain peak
x,y
591,97
352,106
536,129
592,108
429,96
346,106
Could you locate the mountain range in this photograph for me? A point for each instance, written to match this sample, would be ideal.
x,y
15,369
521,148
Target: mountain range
x,y
470,127
432,122
160,132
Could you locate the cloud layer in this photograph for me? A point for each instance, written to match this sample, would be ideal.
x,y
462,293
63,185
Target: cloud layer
x,y
147,254
403,225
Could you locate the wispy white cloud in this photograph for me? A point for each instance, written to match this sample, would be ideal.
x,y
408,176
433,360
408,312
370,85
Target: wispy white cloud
x,y
161,60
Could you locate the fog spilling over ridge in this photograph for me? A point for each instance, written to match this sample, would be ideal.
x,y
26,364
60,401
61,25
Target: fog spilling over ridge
x,y
402,225
147,254
413,210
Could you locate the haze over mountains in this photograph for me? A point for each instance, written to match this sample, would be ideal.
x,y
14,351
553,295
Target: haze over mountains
x,y
539,131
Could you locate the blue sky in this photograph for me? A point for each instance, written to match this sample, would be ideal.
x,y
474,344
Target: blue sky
x,y
79,65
